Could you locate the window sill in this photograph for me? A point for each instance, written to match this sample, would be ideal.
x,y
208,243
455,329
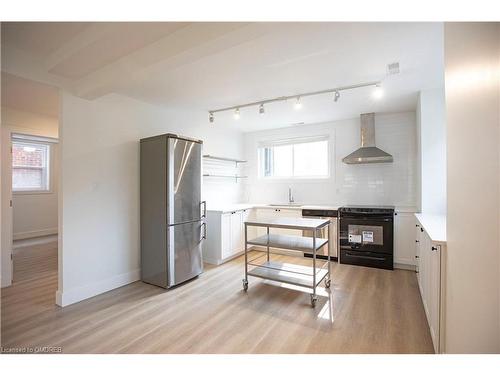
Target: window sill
x,y
32,192
295,179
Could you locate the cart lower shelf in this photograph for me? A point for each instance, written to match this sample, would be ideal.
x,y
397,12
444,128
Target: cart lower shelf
x,y
288,273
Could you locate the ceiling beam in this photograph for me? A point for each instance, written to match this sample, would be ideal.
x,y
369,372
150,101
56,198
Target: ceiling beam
x,y
20,63
184,46
92,33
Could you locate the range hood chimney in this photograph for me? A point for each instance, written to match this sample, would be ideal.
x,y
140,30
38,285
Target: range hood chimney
x,y
368,152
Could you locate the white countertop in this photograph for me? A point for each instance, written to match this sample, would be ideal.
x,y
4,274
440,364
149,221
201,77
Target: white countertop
x,y
434,225
246,206
230,207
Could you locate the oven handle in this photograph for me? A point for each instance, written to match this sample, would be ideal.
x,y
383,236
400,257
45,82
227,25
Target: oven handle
x,y
365,213
371,218
364,256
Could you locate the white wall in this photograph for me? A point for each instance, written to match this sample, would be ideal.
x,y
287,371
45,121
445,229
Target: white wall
x,y
34,214
432,144
100,186
473,214
381,184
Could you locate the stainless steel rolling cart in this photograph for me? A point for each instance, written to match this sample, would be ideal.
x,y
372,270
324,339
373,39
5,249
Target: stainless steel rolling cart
x,y
264,268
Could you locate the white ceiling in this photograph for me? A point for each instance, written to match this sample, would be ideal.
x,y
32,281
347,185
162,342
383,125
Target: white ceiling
x,y
202,66
29,96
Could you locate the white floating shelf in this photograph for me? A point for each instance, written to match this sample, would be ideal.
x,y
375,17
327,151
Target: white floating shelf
x,y
223,176
211,157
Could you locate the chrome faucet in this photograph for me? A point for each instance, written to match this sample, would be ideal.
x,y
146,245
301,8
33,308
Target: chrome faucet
x,y
290,196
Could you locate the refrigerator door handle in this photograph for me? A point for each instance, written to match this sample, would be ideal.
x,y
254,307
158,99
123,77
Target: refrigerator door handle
x,y
204,237
204,203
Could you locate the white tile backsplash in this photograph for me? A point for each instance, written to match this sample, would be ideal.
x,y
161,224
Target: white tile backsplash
x,y
382,184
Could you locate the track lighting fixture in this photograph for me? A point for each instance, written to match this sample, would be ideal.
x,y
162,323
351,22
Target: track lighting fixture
x,y
377,94
298,103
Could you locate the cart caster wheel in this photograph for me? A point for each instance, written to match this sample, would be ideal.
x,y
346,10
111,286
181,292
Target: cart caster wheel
x,y
245,285
314,299
328,283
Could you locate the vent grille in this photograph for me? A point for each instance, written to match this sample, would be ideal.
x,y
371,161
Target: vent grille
x,y
393,68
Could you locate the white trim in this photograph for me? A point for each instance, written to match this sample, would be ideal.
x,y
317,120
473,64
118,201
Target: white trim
x,y
33,138
293,141
32,192
65,298
35,233
262,145
46,169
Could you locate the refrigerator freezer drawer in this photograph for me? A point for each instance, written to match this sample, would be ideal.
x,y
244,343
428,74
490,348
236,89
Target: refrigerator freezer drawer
x,y
184,243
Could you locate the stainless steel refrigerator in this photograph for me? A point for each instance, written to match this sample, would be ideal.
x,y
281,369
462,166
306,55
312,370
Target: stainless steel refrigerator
x,y
172,213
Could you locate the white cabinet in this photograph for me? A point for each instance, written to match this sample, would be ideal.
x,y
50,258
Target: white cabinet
x,y
225,235
236,233
404,239
284,212
431,284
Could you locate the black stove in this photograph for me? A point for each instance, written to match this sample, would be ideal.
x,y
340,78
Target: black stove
x,y
366,236
368,209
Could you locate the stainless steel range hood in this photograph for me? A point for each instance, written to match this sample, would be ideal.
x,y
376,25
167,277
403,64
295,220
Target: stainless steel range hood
x,y
368,152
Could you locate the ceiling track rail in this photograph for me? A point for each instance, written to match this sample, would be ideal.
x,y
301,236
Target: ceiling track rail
x,y
296,96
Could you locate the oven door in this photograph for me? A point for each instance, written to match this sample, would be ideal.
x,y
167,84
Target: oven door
x,y
372,234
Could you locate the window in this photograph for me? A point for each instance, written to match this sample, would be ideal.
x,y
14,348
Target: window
x,y
295,158
30,166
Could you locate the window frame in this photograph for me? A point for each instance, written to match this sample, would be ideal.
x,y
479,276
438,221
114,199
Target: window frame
x,y
31,140
293,141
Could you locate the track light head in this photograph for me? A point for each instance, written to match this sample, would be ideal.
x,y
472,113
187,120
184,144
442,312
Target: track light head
x,y
336,96
211,116
378,93
298,103
236,113
261,109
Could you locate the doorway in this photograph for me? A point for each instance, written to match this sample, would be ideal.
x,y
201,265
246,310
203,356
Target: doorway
x,y
29,183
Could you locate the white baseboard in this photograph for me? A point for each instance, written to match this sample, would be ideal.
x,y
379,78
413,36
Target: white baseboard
x,y
65,298
212,261
5,281
402,266
34,241
34,233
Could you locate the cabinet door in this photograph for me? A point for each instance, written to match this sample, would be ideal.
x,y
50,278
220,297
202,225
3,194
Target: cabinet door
x,y
404,242
434,293
333,238
424,269
418,252
226,235
283,212
236,233
245,216
264,214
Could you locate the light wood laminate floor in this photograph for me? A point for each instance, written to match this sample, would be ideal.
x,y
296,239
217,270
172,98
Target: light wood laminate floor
x,y
375,311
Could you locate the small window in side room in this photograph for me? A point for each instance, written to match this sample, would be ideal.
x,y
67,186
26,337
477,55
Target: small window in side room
x,y
30,166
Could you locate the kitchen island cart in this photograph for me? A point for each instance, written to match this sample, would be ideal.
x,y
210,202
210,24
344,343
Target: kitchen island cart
x,y
262,267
